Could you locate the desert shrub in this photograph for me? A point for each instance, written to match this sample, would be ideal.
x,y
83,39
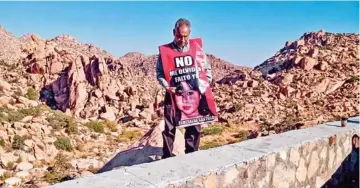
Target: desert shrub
x,y
8,115
353,79
2,142
11,116
10,165
242,135
212,131
32,94
111,125
129,135
353,64
96,126
18,142
214,142
53,177
5,176
57,172
210,144
33,111
63,143
238,106
19,160
59,120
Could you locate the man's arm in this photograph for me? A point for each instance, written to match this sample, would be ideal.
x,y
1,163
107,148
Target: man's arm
x,y
160,73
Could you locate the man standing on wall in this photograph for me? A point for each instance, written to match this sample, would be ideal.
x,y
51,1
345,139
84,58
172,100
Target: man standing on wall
x,y
181,45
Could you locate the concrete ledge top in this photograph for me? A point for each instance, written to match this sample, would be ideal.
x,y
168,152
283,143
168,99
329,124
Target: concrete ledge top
x,y
181,168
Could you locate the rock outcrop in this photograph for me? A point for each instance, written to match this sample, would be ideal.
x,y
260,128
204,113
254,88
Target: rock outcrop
x,y
311,80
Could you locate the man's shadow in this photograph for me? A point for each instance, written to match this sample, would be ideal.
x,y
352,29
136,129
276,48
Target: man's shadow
x,y
134,156
347,175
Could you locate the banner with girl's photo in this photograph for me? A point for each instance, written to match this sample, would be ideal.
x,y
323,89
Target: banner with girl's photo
x,y
192,101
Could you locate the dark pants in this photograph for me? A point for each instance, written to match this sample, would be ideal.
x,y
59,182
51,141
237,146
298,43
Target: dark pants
x,y
192,133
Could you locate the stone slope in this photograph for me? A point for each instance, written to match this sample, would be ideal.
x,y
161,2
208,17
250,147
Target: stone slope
x,y
9,47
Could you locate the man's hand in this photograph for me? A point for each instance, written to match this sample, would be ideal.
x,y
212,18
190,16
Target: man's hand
x,y
170,89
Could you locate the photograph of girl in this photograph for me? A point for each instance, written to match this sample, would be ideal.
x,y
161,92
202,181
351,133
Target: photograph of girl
x,y
190,101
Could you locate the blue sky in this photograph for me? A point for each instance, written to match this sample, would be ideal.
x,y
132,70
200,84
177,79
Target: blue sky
x,y
243,33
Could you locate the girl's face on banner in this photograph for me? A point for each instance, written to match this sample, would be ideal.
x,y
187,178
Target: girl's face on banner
x,y
187,100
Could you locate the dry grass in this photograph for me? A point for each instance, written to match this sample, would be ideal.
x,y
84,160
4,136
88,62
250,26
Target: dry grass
x,y
96,126
63,143
32,94
59,120
111,125
219,134
129,135
11,116
6,175
58,171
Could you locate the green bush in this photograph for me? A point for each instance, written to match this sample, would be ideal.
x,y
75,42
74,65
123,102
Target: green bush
x,y
5,176
111,125
239,106
210,144
129,135
212,131
14,116
353,79
32,94
2,142
32,111
63,143
242,135
59,120
10,165
96,126
53,177
58,171
18,142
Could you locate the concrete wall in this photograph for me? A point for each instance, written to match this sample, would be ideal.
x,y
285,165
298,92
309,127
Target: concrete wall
x,y
301,158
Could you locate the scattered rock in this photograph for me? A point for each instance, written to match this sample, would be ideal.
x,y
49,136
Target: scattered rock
x,y
83,164
23,175
24,166
307,63
86,173
13,181
4,86
2,172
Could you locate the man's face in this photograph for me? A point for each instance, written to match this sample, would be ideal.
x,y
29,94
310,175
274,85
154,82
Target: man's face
x,y
181,35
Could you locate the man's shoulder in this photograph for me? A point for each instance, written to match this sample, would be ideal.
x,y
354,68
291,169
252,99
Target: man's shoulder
x,y
166,45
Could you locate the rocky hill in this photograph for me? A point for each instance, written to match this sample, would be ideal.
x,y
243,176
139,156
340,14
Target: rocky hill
x,y
311,80
67,108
